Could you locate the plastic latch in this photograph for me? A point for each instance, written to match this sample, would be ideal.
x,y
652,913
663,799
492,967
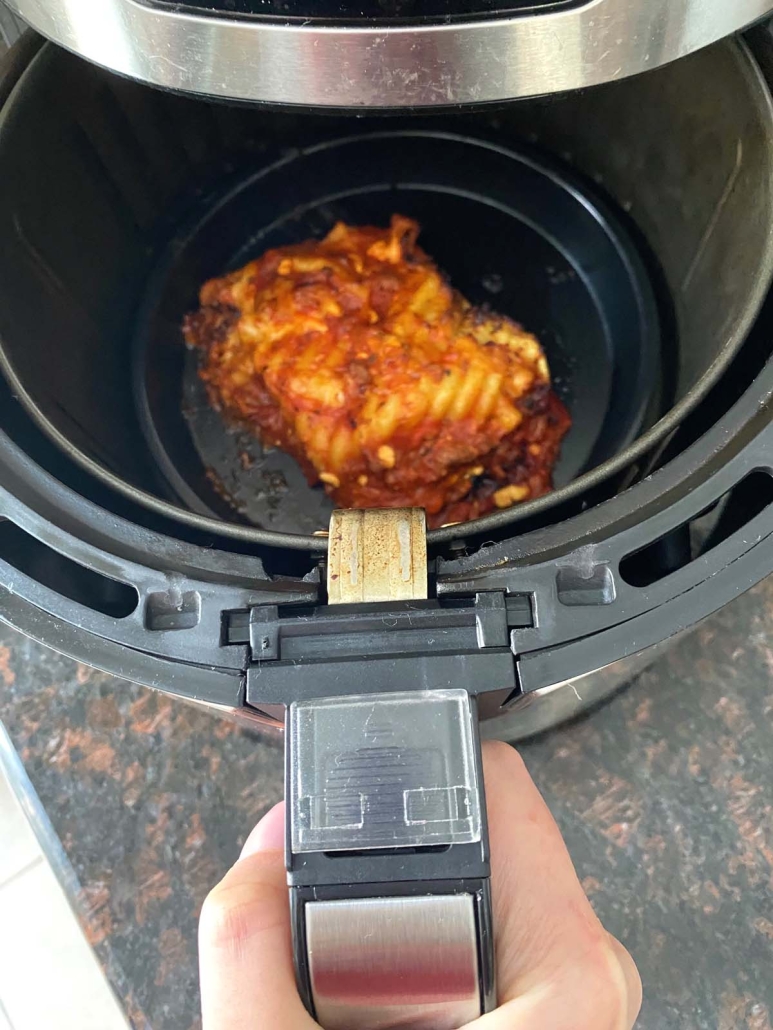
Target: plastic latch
x,y
393,770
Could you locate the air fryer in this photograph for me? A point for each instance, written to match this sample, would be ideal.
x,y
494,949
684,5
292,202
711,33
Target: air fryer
x,y
568,170
626,225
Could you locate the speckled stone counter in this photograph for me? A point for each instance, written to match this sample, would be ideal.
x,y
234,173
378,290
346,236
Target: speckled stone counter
x,y
664,796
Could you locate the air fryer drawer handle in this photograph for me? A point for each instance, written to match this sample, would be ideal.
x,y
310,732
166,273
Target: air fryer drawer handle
x,y
387,842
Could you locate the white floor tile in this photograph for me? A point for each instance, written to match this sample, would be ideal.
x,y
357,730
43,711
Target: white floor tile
x,y
4,1021
49,975
18,846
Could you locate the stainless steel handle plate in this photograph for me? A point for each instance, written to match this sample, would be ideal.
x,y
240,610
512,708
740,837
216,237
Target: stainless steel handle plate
x,y
386,962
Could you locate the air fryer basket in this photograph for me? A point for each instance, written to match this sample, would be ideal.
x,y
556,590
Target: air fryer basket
x,y
510,227
101,183
103,180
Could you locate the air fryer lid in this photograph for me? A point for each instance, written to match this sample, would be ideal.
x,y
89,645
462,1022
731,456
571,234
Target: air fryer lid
x,y
385,53
106,178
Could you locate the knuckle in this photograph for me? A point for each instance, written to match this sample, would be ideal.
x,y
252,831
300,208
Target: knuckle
x,y
221,919
604,990
588,992
233,914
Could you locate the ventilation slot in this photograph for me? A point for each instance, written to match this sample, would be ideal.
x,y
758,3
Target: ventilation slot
x,y
693,539
41,563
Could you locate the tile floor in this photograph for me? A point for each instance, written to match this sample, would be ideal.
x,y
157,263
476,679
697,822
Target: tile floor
x,y
49,976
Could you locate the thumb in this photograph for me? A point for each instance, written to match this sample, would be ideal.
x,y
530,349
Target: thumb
x,y
245,953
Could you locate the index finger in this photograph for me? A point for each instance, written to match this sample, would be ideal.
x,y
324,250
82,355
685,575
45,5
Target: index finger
x,y
548,938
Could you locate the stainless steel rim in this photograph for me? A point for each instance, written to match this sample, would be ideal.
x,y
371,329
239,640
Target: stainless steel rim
x,y
387,66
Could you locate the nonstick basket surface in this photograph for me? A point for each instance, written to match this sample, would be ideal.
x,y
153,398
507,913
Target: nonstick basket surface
x,y
511,229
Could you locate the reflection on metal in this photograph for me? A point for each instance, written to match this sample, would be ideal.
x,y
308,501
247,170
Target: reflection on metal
x,y
377,554
546,707
11,28
395,65
389,962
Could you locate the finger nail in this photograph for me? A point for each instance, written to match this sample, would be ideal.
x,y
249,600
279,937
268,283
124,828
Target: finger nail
x,y
269,834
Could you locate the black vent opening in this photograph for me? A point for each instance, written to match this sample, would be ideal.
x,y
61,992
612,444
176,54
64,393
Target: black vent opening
x,y
67,577
697,537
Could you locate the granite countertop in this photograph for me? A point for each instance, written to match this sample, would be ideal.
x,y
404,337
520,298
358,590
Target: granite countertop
x,y
663,794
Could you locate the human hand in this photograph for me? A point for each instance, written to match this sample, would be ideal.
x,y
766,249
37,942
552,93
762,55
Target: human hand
x,y
557,968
